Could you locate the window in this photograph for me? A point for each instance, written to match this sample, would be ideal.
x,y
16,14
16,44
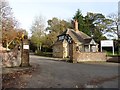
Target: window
x,y
61,37
77,48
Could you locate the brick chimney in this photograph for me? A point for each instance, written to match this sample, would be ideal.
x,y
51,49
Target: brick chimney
x,y
76,25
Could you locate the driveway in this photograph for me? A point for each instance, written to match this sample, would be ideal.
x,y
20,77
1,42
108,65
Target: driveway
x,y
53,73
59,74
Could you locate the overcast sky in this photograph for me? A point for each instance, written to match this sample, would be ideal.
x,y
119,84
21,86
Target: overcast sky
x,y
26,10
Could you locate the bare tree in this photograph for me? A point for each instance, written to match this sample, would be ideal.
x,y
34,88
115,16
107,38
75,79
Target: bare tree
x,y
38,31
113,26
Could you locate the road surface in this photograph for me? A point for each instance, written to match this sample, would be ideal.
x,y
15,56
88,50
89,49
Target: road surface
x,y
51,73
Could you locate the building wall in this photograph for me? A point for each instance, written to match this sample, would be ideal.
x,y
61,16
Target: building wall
x,y
61,49
65,49
58,50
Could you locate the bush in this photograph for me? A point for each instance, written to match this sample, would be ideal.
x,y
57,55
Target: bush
x,y
47,54
111,53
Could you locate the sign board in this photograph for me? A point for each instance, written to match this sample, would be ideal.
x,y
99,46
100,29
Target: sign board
x,y
107,43
25,46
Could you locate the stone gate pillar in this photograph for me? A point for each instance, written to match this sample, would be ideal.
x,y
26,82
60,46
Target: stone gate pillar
x,y
25,52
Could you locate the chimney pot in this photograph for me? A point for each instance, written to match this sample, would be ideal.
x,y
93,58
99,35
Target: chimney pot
x,y
76,25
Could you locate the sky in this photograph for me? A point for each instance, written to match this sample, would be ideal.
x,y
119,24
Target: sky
x,y
25,11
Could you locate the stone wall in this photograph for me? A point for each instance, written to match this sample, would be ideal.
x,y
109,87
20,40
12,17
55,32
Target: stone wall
x,y
11,58
58,50
77,56
89,56
8,60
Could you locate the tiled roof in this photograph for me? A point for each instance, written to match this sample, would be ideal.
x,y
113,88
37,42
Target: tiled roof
x,y
77,36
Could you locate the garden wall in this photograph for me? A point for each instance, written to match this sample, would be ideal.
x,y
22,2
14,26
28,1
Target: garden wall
x,y
89,56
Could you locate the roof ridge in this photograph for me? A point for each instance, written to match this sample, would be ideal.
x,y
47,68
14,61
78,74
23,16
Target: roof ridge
x,y
85,35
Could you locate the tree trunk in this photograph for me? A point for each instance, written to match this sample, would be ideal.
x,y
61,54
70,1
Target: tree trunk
x,y
37,48
40,47
118,34
7,45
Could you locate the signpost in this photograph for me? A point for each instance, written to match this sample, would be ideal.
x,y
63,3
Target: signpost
x,y
107,43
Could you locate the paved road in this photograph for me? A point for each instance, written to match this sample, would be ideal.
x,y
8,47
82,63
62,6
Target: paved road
x,y
58,74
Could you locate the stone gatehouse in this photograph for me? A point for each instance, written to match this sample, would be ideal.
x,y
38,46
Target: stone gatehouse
x,y
84,43
76,45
